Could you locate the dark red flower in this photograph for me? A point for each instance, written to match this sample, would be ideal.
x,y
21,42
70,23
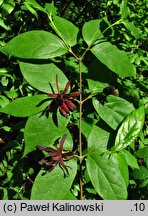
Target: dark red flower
x,y
63,100
56,156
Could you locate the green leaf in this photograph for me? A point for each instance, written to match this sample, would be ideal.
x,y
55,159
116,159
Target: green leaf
x,y
53,186
69,196
120,161
1,2
35,5
129,129
106,178
87,125
40,130
98,140
91,31
124,9
130,159
31,9
3,25
142,153
36,44
3,101
99,73
114,110
51,9
96,86
73,64
7,7
135,31
41,76
26,106
114,59
66,30
140,174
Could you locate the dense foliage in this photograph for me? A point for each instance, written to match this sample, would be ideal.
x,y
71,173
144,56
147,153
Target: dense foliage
x,y
73,100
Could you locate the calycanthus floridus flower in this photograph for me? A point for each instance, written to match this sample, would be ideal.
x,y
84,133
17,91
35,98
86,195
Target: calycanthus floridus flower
x,y
63,100
56,156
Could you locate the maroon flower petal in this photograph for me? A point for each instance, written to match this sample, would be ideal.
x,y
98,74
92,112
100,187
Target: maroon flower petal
x,y
52,95
65,107
63,111
57,85
62,142
66,87
73,95
64,166
70,104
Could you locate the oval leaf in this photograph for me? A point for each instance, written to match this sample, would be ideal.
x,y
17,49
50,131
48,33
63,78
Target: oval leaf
x,y
129,129
26,106
40,130
35,44
106,178
91,31
98,140
53,186
66,30
120,161
114,110
114,59
130,159
41,76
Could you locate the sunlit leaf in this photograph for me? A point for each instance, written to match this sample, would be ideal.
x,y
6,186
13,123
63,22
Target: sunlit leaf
x,y
65,29
26,106
40,130
53,186
129,129
115,59
43,76
36,44
106,178
114,110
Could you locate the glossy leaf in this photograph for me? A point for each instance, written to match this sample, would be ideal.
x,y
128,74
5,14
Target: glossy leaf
x,y
36,44
41,76
26,106
53,186
106,178
130,159
120,161
66,30
129,129
98,140
40,130
114,110
91,31
114,59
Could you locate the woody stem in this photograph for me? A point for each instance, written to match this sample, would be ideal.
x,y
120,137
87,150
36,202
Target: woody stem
x,y
80,129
